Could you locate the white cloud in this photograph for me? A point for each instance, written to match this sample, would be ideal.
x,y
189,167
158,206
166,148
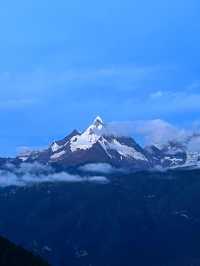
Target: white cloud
x,y
42,81
159,131
103,168
156,95
17,103
152,131
29,174
97,179
195,85
177,101
194,144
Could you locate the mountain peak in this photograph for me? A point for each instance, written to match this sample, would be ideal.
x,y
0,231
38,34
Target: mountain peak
x,y
98,122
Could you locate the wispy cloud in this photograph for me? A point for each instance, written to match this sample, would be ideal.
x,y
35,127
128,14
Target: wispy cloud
x,y
43,78
30,174
133,85
17,103
175,101
152,131
102,168
156,94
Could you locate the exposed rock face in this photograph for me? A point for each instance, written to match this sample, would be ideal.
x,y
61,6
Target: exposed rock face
x,y
97,145
94,145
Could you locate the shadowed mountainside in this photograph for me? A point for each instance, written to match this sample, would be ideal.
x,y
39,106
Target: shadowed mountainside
x,y
146,218
12,255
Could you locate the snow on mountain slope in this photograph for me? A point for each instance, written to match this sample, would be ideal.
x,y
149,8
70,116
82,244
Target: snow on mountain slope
x,y
55,147
96,134
168,155
97,145
57,155
193,158
126,151
89,137
177,153
94,145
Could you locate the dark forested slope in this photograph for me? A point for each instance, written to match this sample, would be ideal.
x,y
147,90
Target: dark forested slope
x,y
138,219
12,255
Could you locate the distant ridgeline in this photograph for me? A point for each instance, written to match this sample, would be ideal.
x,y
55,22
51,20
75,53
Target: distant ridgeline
x,y
98,144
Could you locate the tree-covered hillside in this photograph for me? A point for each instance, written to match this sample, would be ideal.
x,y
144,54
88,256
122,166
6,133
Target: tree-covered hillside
x,y
12,255
137,219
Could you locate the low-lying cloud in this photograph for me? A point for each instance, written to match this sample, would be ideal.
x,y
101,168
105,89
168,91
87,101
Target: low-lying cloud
x,y
98,167
29,174
102,168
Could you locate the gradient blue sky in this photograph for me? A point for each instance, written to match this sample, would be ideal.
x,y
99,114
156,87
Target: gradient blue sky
x,y
64,62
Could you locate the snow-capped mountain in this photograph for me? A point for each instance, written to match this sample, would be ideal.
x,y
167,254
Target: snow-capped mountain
x,y
94,145
168,155
97,145
174,154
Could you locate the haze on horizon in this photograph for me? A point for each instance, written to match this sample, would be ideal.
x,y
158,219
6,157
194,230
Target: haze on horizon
x,y
63,63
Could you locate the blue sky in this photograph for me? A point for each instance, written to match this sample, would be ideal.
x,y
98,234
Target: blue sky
x,y
64,62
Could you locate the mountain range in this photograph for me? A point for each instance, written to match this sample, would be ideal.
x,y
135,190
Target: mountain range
x,y
134,218
98,145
